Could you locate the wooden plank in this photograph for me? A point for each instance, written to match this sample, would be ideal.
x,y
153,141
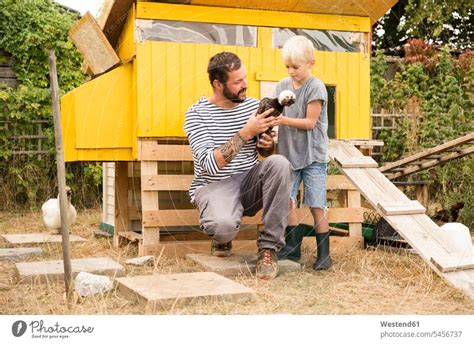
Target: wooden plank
x,y
93,45
151,150
441,148
181,248
356,162
122,218
453,263
418,230
166,182
7,72
182,183
131,236
151,234
425,165
353,201
190,217
339,182
114,20
401,208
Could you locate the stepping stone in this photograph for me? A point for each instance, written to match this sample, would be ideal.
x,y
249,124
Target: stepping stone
x,y
163,291
38,238
237,264
19,253
54,269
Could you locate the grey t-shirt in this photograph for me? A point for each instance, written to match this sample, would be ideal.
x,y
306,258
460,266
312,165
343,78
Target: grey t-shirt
x,y
303,147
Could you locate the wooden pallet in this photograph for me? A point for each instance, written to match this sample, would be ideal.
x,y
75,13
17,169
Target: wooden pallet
x,y
431,157
408,218
159,221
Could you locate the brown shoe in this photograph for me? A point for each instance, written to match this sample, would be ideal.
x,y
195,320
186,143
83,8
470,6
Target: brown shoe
x,y
221,250
267,264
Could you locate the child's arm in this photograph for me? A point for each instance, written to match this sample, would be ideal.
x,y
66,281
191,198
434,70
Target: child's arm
x,y
312,114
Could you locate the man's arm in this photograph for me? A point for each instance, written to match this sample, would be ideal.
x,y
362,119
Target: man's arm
x,y
256,124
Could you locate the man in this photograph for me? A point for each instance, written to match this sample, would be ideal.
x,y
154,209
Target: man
x,y
229,182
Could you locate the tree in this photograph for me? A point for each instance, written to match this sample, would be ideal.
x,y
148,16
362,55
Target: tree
x,y
438,22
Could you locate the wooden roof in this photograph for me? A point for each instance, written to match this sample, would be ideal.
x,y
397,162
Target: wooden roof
x,y
114,12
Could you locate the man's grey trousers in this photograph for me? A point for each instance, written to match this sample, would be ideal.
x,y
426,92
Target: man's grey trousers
x,y
265,186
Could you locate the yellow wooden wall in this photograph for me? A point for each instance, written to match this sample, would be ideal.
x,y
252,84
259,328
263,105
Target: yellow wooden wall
x,y
98,117
165,89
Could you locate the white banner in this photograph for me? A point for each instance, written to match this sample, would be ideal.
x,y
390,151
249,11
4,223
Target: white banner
x,y
274,329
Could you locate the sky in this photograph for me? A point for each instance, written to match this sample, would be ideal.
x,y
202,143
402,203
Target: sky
x,y
83,6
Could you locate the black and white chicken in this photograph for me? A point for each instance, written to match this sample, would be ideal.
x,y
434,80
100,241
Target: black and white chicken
x,y
52,214
285,98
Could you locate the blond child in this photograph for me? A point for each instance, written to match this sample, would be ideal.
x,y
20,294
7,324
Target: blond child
x,y
303,140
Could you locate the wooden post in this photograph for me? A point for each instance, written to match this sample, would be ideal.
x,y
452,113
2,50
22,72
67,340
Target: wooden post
x,y
122,218
355,229
63,202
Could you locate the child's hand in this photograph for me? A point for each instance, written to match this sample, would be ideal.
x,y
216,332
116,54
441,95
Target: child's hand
x,y
277,121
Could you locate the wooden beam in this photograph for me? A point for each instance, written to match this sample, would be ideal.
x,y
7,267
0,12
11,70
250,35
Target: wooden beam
x,y
435,150
122,218
151,150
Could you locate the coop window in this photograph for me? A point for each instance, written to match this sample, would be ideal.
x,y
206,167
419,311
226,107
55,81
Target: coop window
x,y
323,40
193,32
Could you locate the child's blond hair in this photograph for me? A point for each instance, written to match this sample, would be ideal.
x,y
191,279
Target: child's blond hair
x,y
298,49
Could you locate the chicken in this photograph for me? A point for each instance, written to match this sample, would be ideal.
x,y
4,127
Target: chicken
x,y
52,214
285,98
450,215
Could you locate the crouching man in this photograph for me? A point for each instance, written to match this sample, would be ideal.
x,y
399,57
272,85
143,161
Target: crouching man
x,y
229,182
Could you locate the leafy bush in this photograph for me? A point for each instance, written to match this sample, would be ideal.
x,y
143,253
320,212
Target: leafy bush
x,y
28,29
436,90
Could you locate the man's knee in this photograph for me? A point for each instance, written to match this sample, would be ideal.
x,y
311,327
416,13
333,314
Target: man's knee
x,y
278,164
222,229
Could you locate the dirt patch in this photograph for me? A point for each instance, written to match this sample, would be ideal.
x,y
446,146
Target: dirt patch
x,y
360,282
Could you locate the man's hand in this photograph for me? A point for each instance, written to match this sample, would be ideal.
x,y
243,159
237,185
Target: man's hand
x,y
257,124
265,142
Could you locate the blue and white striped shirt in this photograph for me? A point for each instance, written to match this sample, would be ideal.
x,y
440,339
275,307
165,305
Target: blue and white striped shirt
x,y
207,127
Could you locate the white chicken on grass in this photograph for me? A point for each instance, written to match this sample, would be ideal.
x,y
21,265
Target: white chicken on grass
x,y
52,214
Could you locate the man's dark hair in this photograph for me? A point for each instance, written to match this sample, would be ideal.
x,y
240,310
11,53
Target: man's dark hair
x,y
220,65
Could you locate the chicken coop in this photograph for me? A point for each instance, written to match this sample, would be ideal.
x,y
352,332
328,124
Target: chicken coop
x,y
154,59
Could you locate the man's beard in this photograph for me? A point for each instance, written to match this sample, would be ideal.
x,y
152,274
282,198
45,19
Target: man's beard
x,y
234,98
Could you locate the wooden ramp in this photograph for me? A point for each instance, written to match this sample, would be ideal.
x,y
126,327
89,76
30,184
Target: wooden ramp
x,y
406,216
431,157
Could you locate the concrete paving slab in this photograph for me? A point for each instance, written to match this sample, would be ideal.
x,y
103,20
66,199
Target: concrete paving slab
x,y
162,291
54,269
18,253
237,264
38,238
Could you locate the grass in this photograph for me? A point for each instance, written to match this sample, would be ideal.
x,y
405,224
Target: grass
x,y
360,282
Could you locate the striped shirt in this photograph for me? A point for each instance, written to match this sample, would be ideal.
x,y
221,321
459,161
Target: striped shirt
x,y
207,127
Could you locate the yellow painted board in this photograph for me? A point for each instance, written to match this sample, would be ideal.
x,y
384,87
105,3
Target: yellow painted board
x,y
103,154
104,109
144,96
126,44
68,124
252,17
364,8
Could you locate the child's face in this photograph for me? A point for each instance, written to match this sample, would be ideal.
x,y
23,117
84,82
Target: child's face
x,y
299,71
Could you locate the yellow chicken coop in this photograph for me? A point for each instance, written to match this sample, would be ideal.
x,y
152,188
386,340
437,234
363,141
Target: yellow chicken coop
x,y
133,113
